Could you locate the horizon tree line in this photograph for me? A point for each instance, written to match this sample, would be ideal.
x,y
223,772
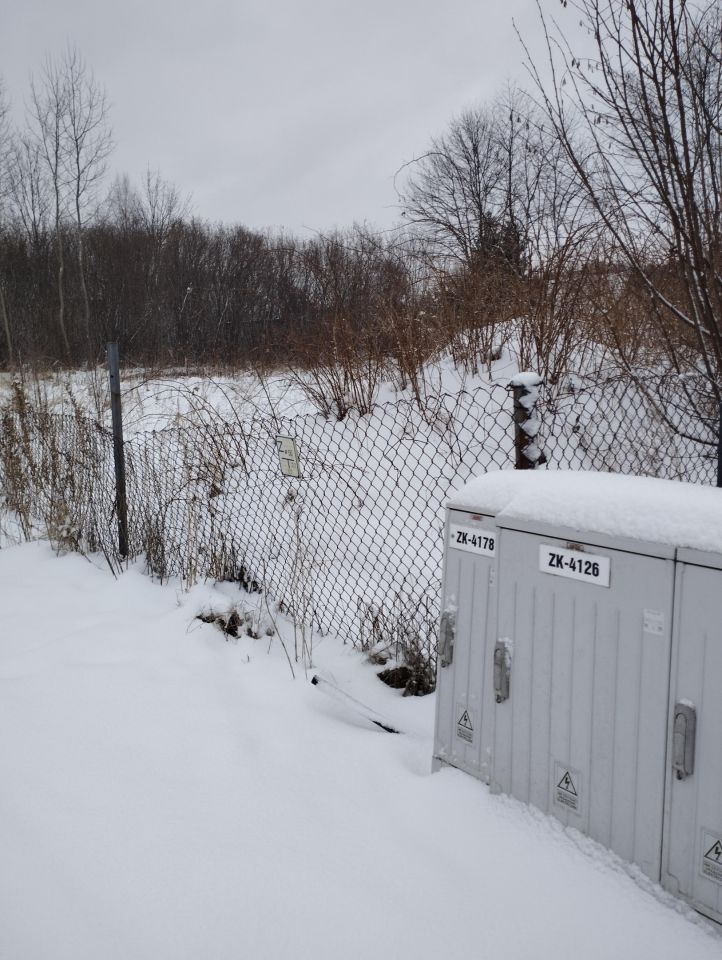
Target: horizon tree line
x,y
586,209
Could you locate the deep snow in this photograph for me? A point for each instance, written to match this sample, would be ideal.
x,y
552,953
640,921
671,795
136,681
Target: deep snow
x,y
166,793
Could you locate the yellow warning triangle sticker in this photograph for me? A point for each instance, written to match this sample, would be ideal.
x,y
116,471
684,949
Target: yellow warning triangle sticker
x,y
567,784
465,721
714,852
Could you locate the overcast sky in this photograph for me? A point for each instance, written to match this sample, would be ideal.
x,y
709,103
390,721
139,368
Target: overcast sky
x,y
293,113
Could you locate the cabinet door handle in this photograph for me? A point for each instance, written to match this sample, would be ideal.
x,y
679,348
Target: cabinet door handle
x,y
447,633
502,670
683,737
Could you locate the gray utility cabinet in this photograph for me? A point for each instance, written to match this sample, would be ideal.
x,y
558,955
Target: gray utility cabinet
x,y
580,669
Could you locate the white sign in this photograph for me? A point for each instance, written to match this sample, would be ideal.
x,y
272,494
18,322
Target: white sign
x,y
288,456
465,723
711,856
574,564
567,787
472,539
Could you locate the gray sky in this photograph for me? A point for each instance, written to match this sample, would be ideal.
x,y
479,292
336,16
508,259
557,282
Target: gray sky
x,y
286,114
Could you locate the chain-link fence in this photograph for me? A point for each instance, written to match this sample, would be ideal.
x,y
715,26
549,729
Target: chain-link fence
x,y
57,472
649,425
354,545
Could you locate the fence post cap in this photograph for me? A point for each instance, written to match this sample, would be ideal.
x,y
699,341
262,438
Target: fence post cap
x,y
526,379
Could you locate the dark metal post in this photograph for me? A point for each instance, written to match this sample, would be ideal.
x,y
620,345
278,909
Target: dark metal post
x,y
121,503
719,448
525,387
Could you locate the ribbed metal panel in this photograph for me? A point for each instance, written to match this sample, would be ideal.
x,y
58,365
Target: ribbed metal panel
x,y
601,671
583,734
465,707
692,861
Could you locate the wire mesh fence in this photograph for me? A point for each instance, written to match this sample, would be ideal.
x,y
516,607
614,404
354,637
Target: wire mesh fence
x,y
649,425
57,471
354,545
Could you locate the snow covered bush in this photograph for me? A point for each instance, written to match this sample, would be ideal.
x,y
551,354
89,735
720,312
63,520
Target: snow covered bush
x,y
405,632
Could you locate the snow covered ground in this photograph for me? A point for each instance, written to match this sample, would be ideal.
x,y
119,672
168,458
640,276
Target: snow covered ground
x,y
154,401
167,793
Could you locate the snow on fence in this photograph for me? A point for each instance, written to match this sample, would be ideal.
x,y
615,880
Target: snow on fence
x,y
354,544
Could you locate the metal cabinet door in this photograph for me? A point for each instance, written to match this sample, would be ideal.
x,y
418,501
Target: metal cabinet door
x,y
692,862
464,713
583,733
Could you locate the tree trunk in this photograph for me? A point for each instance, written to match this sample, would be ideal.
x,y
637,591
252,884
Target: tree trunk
x,y
83,285
6,325
61,290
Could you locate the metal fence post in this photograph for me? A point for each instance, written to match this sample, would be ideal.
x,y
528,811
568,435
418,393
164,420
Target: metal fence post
x,y
525,388
121,502
719,448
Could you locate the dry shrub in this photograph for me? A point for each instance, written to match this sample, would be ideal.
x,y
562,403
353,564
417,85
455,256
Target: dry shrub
x,y
53,469
474,307
404,632
341,368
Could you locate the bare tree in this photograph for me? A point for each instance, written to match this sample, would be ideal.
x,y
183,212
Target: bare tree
x,y
500,203
457,193
639,120
122,204
5,151
160,207
5,143
88,142
70,128
154,209
552,296
29,189
49,107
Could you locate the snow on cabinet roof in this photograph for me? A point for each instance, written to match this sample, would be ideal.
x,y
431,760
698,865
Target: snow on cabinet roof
x,y
641,508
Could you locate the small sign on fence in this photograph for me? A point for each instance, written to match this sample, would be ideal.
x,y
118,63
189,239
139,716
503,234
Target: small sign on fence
x,y
288,456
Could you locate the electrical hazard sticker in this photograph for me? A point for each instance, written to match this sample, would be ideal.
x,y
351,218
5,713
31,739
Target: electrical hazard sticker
x,y
712,856
567,787
465,724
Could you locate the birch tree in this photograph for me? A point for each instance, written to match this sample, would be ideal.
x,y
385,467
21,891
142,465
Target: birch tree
x,y
88,143
48,106
70,126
